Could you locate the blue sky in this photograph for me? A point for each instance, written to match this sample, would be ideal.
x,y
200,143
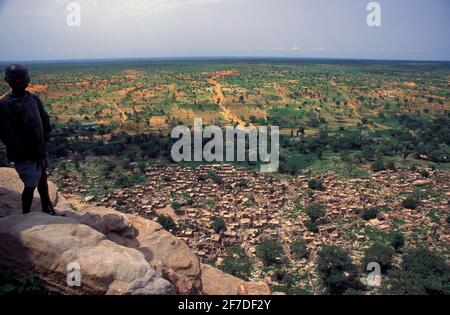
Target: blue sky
x,y
410,29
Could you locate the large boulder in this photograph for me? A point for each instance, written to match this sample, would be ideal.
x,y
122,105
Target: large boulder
x,y
253,288
11,188
101,219
178,263
216,282
47,245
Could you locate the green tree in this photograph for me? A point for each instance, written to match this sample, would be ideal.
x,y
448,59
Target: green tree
x,y
218,224
422,272
270,251
298,248
397,241
411,202
166,222
336,270
316,211
316,184
380,254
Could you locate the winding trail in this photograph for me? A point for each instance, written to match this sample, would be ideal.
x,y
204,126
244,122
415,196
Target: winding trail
x,y
123,115
219,98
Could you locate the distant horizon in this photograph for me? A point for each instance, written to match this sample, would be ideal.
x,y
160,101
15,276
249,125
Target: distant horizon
x,y
214,58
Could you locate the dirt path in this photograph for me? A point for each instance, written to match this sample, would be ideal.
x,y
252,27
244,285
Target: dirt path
x,y
219,98
124,117
350,103
280,93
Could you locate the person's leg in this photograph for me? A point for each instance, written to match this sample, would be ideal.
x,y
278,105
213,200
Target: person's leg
x,y
27,199
46,203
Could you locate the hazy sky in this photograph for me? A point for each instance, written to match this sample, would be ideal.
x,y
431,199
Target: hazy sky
x,y
410,29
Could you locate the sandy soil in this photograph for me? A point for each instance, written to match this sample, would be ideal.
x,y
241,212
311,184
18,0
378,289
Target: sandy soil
x,y
219,98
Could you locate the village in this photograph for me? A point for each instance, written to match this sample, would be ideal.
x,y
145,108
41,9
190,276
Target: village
x,y
257,206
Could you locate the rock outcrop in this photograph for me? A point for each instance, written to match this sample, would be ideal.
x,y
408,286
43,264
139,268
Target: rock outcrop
x,y
47,245
216,282
161,250
11,190
117,253
177,262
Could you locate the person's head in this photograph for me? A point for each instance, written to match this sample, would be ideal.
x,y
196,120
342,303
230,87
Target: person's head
x,y
17,77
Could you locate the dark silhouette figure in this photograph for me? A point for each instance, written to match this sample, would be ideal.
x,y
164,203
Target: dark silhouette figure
x,y
25,129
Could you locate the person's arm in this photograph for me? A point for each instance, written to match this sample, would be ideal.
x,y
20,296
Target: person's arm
x,y
7,134
33,125
45,118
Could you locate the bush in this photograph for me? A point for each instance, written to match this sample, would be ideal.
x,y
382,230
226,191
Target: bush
x,y
316,184
413,168
312,226
390,165
289,284
336,270
270,251
298,248
351,291
378,165
240,266
166,222
218,224
424,173
380,254
215,178
411,202
176,206
422,273
398,241
124,181
315,211
370,213
13,283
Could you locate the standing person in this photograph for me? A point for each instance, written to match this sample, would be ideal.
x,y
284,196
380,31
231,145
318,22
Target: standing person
x,y
25,130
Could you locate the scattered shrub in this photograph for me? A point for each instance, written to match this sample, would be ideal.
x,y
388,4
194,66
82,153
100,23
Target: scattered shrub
x,y
176,206
270,251
378,165
315,211
370,213
289,284
380,254
390,165
422,273
238,265
316,184
298,248
312,226
13,283
351,291
411,202
166,222
201,177
424,173
215,178
336,270
218,224
398,241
